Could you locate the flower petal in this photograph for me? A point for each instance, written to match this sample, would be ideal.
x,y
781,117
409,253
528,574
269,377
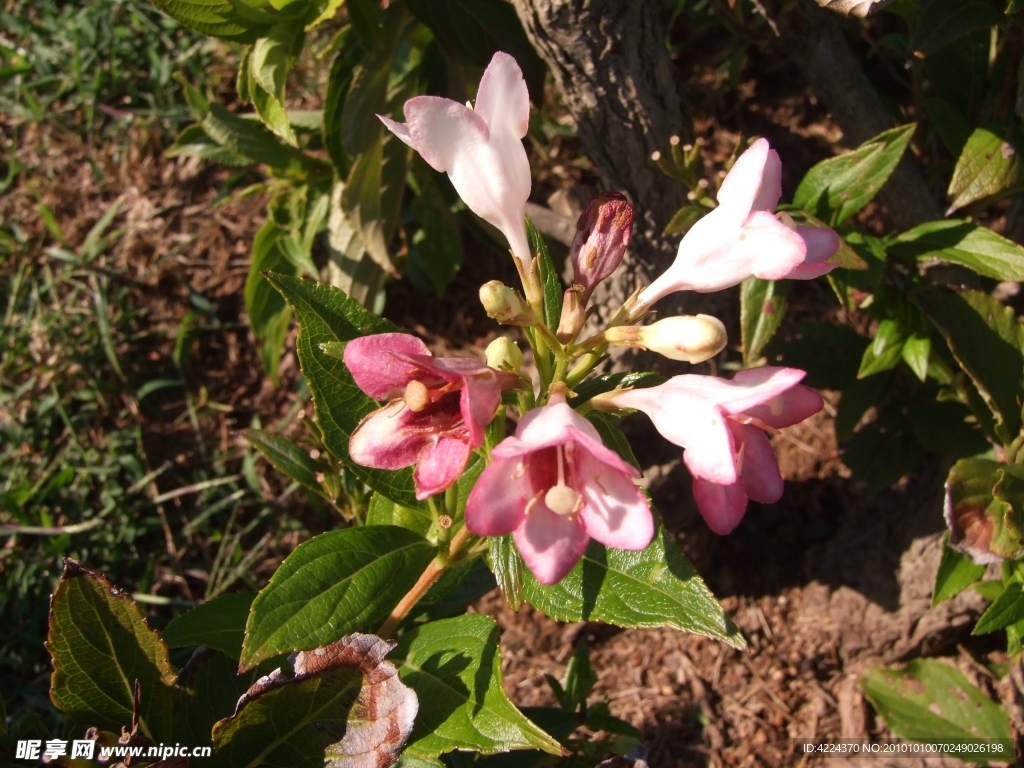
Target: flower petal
x,y
745,184
439,465
772,402
767,248
684,411
502,99
401,130
550,543
759,468
756,386
382,440
615,511
822,243
497,503
444,131
721,506
375,367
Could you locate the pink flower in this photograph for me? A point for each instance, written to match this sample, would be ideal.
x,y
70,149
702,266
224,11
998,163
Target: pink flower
x,y
437,412
480,148
554,486
742,237
721,424
602,236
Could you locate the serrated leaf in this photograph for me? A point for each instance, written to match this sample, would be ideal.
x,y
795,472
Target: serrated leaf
x,y
835,189
961,242
986,339
945,21
383,511
929,700
654,587
549,280
829,353
885,350
334,584
984,509
374,183
254,141
272,113
454,664
471,31
989,165
326,315
1007,609
287,457
101,645
218,18
268,313
762,307
508,569
218,624
193,142
956,573
345,707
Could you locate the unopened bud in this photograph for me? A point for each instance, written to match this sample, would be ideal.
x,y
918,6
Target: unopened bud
x,y
602,234
505,304
690,338
504,355
573,315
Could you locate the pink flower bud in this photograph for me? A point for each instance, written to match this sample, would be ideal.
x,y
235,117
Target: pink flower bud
x,y
602,234
685,337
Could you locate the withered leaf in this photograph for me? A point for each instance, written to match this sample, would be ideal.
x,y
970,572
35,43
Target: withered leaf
x,y
345,707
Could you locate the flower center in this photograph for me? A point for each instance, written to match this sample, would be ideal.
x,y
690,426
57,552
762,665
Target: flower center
x,y
417,396
560,498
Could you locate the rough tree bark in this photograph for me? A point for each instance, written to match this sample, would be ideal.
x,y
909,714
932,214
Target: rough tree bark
x,y
611,66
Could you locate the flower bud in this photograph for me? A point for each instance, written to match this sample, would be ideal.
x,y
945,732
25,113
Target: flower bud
x,y
685,337
505,304
602,234
504,355
573,315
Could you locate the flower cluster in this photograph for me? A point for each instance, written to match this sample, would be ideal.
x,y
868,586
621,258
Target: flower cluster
x,y
554,484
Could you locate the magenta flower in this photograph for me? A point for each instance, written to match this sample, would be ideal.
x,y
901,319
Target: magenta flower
x,y
602,236
721,424
480,148
554,486
742,236
437,412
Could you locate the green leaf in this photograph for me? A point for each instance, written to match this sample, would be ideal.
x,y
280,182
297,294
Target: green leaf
x,y
829,353
929,700
454,665
961,242
1007,609
956,573
268,313
326,315
683,219
269,64
218,18
916,351
344,706
193,142
986,339
335,583
339,80
945,21
946,427
437,247
885,350
612,436
953,128
383,511
471,31
609,381
101,644
549,280
839,187
655,587
762,307
984,508
367,94
366,22
990,164
508,569
217,624
287,457
376,179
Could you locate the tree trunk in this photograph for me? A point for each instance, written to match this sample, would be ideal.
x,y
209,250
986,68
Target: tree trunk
x,y
615,75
